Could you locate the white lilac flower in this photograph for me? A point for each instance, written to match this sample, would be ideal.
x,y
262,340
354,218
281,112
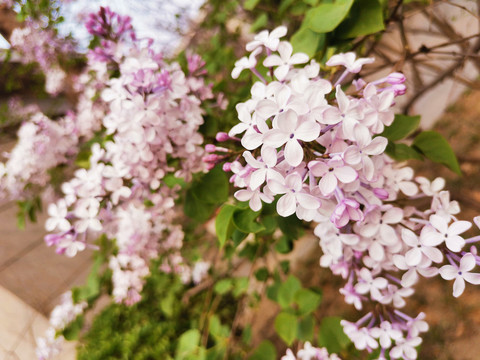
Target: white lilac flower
x,y
284,60
461,273
441,232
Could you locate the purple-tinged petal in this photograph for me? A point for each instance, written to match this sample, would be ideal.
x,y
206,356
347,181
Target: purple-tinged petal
x,y
257,178
286,205
252,140
413,256
345,174
328,183
276,187
307,131
308,201
269,156
275,138
467,262
430,237
266,108
376,147
458,286
287,122
272,60
293,152
472,278
459,227
409,278
281,72
433,254
393,216
455,243
409,237
318,168
448,272
243,195
439,223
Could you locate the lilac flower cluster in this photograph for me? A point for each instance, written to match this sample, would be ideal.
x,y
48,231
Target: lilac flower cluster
x,y
322,154
310,353
40,45
151,126
113,30
63,314
42,145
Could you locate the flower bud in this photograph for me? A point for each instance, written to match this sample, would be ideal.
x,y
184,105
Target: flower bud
x,y
209,148
380,193
222,136
227,167
399,89
396,78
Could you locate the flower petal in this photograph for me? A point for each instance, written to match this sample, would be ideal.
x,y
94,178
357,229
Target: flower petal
x,y
286,205
458,286
328,183
293,152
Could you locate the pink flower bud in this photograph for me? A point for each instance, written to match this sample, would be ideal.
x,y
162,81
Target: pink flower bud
x,y
399,89
227,167
210,158
209,148
222,136
380,193
396,78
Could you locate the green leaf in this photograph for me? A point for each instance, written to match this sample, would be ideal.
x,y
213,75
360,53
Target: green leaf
x,y
305,328
365,18
167,303
285,5
238,236
331,335
223,286
259,22
197,209
291,226
272,291
216,329
264,351
402,152
287,290
326,17
250,4
286,327
307,301
262,274
270,224
247,334
307,41
435,147
244,220
187,343
223,223
240,286
401,127
212,188
91,290
284,245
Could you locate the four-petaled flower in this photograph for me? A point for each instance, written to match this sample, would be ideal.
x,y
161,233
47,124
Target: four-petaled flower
x,y
461,273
